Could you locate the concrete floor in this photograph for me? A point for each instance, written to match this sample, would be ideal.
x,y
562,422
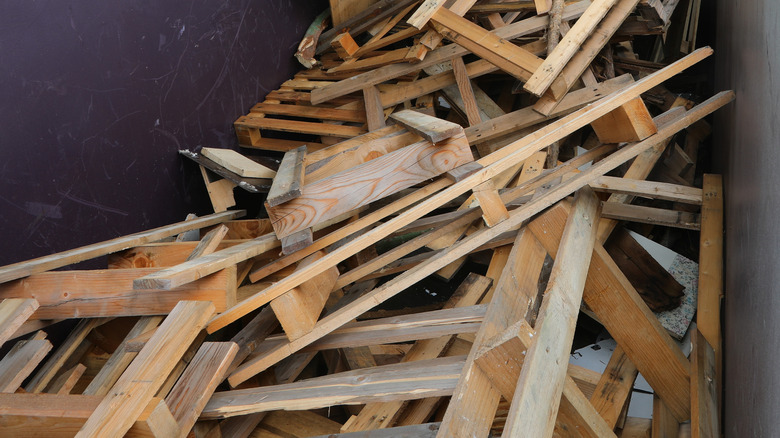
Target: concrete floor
x,y
748,147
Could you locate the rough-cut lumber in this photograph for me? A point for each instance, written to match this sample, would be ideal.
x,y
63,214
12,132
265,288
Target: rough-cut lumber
x,y
41,264
55,416
54,364
66,381
13,313
202,266
651,215
382,74
121,358
105,293
209,242
368,182
548,71
344,45
428,127
299,309
250,121
539,388
711,261
648,189
289,178
20,362
630,122
627,318
406,381
237,163
119,409
193,389
705,417
614,387
497,162
375,115
466,91
588,51
427,430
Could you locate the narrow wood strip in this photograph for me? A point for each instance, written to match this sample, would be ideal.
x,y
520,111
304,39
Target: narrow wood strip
x,y
20,362
13,313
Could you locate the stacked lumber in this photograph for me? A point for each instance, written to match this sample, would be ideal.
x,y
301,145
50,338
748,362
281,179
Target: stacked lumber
x,y
462,188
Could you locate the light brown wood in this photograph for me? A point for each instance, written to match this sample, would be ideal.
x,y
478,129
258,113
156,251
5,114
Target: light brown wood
x,y
20,362
614,388
299,309
119,409
237,163
66,381
344,45
289,178
375,116
651,215
428,127
501,160
705,417
466,91
193,389
13,313
664,423
540,386
711,262
546,73
41,264
630,122
369,182
648,189
493,210
209,242
106,293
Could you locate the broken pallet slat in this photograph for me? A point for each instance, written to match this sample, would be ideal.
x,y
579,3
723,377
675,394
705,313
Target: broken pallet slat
x,y
13,313
433,129
20,362
289,178
41,264
237,163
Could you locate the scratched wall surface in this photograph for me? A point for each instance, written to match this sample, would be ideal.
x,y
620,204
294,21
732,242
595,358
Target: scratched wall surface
x,y
96,98
748,135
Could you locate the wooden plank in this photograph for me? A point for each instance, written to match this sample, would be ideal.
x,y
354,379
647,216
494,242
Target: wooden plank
x,y
424,13
344,45
296,424
711,261
66,381
122,406
485,44
651,215
664,423
383,74
121,358
428,127
498,162
192,270
391,288
474,402
344,131
20,362
299,309
406,381
363,21
466,91
368,182
648,189
52,366
13,313
427,430
58,260
546,73
105,293
614,388
380,415
237,163
289,178
193,389
630,122
375,115
705,418
297,241
309,111
627,318
55,416
540,386
209,242
493,209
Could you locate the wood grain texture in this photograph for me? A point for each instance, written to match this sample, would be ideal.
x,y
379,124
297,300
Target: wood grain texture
x,y
368,182
630,122
433,129
125,402
104,293
289,178
237,163
711,261
13,313
20,362
41,264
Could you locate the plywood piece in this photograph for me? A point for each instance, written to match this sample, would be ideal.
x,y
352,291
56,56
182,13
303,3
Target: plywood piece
x,y
237,163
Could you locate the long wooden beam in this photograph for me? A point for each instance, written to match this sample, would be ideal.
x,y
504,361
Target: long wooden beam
x,y
60,259
495,163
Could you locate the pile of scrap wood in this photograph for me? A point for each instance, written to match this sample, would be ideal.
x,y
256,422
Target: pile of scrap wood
x,y
453,198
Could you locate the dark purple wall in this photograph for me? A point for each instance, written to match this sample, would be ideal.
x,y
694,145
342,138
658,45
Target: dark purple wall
x,y
96,97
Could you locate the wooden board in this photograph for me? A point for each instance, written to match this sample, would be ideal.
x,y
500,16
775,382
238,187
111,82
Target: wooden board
x,y
41,264
13,313
368,182
289,179
428,127
237,163
102,293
